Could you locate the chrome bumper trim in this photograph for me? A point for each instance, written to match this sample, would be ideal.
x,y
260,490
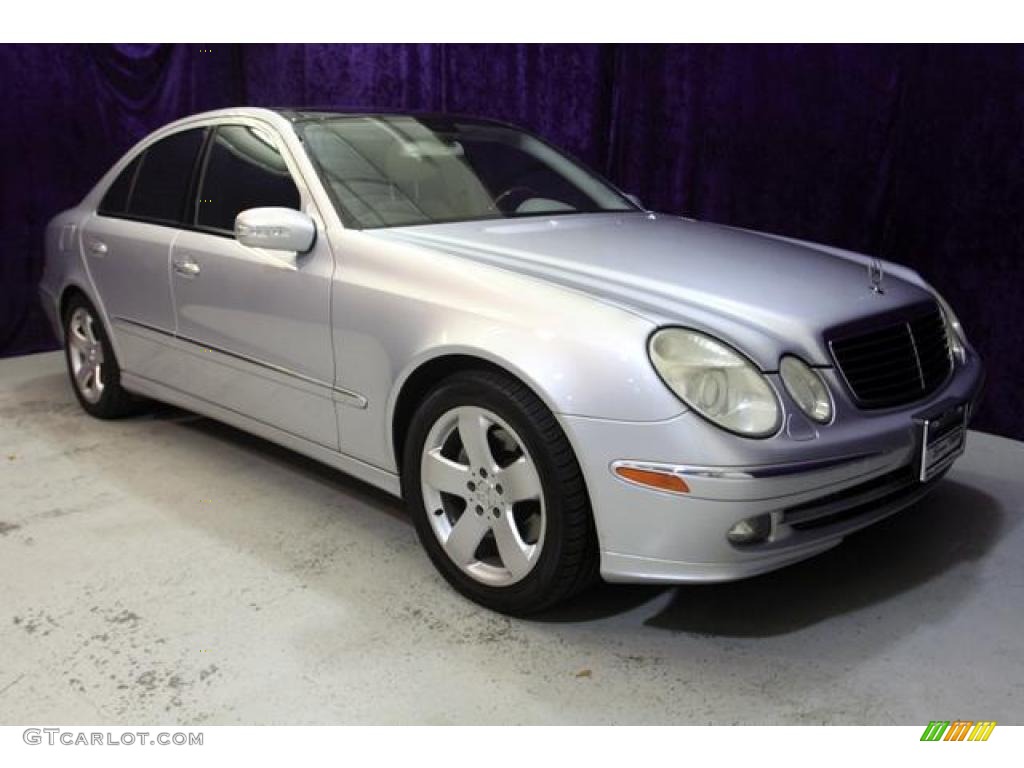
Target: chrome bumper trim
x,y
744,473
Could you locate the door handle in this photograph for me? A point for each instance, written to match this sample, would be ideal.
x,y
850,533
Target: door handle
x,y
98,248
186,267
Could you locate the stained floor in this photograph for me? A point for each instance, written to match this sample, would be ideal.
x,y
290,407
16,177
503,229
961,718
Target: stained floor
x,y
168,569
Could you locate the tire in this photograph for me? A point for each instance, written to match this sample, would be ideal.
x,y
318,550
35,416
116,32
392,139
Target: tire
x,y
528,511
92,367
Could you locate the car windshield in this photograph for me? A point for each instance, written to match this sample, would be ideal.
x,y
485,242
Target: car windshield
x,y
390,171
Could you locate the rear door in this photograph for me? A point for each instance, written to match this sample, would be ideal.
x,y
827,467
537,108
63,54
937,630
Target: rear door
x,y
254,324
127,246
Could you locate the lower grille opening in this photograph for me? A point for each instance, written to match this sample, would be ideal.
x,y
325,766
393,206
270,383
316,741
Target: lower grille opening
x,y
856,500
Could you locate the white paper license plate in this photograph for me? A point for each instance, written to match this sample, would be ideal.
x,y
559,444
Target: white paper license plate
x,y
943,439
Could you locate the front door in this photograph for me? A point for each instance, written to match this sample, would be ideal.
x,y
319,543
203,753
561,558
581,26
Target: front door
x,y
254,325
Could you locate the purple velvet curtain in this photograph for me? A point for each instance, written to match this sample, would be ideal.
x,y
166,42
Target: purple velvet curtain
x,y
71,111
914,153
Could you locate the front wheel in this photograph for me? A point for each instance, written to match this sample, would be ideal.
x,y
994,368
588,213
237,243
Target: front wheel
x,y
497,495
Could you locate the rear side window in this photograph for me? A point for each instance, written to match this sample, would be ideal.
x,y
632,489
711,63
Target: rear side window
x,y
162,182
115,202
244,169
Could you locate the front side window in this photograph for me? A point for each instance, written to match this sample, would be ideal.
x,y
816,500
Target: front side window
x,y
386,171
162,181
244,169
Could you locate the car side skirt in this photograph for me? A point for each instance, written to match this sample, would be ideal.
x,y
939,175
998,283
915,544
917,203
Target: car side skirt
x,y
368,473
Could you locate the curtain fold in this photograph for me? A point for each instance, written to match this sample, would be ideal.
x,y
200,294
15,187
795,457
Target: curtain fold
x,y
914,153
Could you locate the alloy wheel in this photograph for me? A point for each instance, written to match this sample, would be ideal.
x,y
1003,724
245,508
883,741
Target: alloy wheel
x,y
86,354
483,495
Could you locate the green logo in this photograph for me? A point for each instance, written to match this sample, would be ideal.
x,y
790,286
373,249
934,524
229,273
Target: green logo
x,y
958,730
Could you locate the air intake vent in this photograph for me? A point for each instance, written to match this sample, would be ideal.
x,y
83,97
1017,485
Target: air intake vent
x,y
896,363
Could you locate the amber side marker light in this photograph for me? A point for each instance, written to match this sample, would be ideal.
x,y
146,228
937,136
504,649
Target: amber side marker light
x,y
662,481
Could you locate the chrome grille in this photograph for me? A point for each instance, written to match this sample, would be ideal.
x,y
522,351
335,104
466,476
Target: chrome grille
x,y
897,363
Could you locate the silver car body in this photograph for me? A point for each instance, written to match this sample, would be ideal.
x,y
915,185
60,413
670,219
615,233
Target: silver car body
x,y
323,352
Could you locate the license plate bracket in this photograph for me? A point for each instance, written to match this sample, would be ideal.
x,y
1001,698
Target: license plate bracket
x,y
943,438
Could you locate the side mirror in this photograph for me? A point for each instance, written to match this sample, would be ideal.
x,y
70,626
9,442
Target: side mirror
x,y
279,229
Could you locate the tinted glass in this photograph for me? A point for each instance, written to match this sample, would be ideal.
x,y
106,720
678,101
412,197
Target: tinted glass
x,y
387,170
116,199
163,179
244,170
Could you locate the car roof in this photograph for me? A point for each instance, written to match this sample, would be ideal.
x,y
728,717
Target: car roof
x,y
281,116
313,114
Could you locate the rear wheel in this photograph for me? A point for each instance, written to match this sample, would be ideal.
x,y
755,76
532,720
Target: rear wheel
x,y
95,375
497,495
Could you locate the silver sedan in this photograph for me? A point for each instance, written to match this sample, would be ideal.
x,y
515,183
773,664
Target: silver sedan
x,y
560,384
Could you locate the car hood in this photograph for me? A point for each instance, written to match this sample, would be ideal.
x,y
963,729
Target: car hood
x,y
765,294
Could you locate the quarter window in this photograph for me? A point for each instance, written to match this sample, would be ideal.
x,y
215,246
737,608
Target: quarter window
x,y
115,202
244,169
161,186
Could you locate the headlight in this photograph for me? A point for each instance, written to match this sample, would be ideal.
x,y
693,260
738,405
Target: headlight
x,y
954,332
716,381
807,389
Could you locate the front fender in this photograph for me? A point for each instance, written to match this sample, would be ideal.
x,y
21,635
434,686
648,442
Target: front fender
x,y
399,307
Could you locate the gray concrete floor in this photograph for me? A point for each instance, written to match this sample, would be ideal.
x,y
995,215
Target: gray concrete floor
x,y
170,569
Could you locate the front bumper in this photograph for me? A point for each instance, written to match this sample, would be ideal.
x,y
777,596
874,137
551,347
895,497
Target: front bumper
x,y
818,483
